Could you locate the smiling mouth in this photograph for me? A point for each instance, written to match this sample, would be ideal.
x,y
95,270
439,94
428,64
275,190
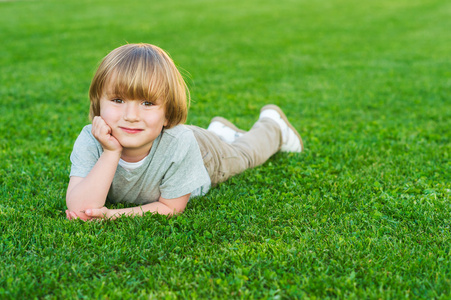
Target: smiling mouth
x,y
131,130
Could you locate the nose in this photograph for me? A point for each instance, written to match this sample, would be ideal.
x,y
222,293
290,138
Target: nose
x,y
131,112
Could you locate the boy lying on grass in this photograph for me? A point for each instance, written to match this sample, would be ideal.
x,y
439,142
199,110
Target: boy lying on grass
x,y
137,150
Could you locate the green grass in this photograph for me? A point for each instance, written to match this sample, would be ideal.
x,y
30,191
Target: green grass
x,y
364,212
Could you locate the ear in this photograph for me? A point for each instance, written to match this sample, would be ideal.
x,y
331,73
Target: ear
x,y
166,122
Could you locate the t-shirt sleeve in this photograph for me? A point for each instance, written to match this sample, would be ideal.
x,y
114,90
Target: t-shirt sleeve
x,y
85,153
187,171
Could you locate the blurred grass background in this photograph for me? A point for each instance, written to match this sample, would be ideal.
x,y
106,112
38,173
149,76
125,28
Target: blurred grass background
x,y
364,212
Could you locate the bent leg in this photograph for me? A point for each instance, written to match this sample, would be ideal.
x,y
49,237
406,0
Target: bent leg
x,y
253,148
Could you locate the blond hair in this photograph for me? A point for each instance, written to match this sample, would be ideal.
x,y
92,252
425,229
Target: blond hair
x,y
142,72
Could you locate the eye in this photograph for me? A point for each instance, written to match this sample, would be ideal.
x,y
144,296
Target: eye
x,y
147,103
117,100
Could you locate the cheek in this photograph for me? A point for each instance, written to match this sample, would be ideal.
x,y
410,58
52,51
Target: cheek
x,y
108,114
156,119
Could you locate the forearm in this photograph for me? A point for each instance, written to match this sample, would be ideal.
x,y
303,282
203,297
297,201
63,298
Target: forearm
x,y
91,191
154,207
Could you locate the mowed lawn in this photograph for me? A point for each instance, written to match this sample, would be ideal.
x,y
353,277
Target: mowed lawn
x,y
363,212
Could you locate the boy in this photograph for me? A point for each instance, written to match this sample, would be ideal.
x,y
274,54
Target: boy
x,y
137,150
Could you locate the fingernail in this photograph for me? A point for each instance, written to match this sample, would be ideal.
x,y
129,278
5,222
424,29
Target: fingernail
x,y
88,212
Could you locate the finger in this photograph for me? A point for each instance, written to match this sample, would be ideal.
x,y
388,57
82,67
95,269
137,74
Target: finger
x,y
98,120
73,215
102,125
99,126
103,133
94,213
95,123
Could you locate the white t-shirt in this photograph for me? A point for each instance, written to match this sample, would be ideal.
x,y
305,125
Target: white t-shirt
x,y
173,168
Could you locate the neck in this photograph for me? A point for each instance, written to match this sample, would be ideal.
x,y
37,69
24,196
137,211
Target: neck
x,y
134,155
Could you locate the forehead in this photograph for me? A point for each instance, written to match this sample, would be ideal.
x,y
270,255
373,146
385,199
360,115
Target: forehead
x,y
132,88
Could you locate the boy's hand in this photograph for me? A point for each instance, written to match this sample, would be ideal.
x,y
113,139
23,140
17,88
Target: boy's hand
x,y
102,213
70,215
90,214
103,133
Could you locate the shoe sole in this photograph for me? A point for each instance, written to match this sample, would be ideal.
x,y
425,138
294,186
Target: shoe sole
x,y
227,123
284,117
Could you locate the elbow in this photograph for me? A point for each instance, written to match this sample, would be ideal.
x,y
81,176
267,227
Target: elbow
x,y
173,207
177,211
79,210
82,216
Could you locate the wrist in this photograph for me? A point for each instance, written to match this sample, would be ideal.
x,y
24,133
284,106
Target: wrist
x,y
113,154
112,214
109,214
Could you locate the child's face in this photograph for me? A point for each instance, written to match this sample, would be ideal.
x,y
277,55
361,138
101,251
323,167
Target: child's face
x,y
134,123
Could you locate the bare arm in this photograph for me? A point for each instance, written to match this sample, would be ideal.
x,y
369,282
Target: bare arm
x,y
91,191
162,206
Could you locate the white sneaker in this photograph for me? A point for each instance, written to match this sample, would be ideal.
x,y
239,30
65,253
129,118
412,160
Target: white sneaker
x,y
291,140
225,129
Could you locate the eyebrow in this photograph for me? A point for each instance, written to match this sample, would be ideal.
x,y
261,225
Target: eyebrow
x,y
112,95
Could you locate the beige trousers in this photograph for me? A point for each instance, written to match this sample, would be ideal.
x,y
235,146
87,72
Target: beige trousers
x,y
253,148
